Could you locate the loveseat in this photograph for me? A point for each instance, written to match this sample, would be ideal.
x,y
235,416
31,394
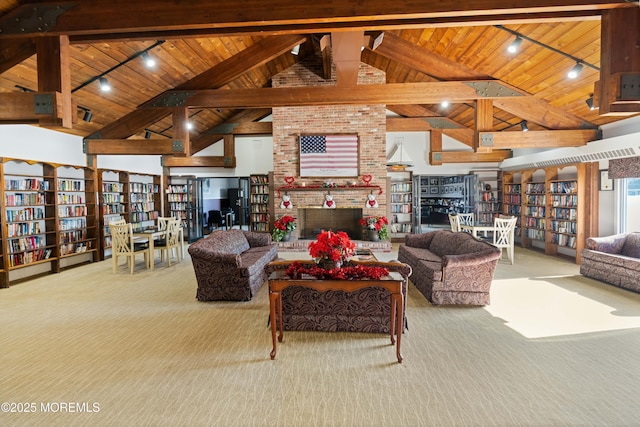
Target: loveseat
x,y
613,259
363,310
229,264
449,267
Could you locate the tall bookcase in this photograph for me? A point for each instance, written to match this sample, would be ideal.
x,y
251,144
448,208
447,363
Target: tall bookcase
x,y
401,204
113,196
48,218
144,203
177,198
554,206
512,201
489,197
259,198
77,220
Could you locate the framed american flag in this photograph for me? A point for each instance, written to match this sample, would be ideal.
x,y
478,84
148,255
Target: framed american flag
x,y
329,155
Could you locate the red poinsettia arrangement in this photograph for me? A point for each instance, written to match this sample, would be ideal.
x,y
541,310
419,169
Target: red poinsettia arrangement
x,y
285,224
358,272
378,223
333,246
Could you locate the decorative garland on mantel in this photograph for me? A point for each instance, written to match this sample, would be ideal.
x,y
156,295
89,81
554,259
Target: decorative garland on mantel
x,y
328,186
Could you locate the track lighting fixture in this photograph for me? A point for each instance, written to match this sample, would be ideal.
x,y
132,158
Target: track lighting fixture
x,y
296,50
88,115
104,84
523,126
189,125
147,134
444,104
590,103
575,70
515,45
149,61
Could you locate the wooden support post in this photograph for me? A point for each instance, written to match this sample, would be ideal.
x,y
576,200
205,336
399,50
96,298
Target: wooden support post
x,y
54,75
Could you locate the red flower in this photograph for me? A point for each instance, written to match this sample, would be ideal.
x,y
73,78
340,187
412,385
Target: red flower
x,y
332,246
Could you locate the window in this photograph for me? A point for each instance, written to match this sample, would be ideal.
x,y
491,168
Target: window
x,y
630,206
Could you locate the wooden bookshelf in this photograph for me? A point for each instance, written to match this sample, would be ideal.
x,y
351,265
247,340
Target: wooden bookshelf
x,y
144,193
113,196
259,199
400,204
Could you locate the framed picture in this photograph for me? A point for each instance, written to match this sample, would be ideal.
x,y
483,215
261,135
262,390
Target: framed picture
x,y
433,181
433,190
606,184
329,155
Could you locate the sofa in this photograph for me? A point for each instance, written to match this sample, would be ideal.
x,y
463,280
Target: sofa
x,y
364,310
229,264
450,267
613,259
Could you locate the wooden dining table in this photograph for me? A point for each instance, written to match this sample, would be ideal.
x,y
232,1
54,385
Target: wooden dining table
x,y
154,233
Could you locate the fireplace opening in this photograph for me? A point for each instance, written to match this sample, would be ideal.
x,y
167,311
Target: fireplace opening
x,y
311,221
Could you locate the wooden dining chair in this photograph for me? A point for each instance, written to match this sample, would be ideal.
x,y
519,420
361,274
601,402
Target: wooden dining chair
x,y
504,235
454,221
466,219
170,242
124,245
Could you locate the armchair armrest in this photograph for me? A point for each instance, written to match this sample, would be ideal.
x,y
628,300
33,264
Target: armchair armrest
x,y
464,260
258,239
419,240
215,257
610,244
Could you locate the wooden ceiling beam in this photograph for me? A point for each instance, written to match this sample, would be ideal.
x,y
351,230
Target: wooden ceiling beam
x,y
393,93
538,139
438,158
228,70
130,146
346,47
526,107
483,122
240,124
14,51
620,63
54,75
199,161
420,121
31,107
149,16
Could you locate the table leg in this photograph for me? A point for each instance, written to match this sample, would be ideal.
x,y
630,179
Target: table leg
x,y
273,300
152,253
280,317
400,322
393,326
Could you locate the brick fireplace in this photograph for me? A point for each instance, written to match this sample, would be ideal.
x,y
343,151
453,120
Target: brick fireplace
x,y
306,193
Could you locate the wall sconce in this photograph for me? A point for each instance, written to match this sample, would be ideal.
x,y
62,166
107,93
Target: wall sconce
x,y
515,45
104,84
575,70
523,126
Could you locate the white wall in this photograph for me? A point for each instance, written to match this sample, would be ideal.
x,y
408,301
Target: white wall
x,y
35,143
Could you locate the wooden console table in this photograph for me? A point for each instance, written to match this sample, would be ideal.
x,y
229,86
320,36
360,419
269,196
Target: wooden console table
x,y
278,281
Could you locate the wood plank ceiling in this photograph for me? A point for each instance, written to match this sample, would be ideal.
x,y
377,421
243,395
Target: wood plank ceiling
x,y
422,49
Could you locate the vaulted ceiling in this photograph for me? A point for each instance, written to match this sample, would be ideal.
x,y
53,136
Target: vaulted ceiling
x,y
428,51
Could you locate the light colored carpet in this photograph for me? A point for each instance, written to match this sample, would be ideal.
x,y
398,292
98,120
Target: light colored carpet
x,y
553,349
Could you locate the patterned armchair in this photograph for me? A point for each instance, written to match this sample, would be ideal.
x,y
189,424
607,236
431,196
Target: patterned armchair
x,y
614,260
229,264
450,268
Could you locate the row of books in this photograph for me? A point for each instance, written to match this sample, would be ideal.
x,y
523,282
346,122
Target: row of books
x,y
567,227
27,243
70,199
401,228
29,257
173,188
537,200
563,187
143,216
535,187
177,197
112,187
74,248
113,209
535,234
513,199
32,184
557,200
140,187
70,185
259,189
401,208
25,199
259,208
23,229
26,214
513,188
535,211
72,211
259,179
562,213
72,224
401,187
564,240
178,206
142,197
538,223
112,198
72,236
142,207
401,198
259,226
260,217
